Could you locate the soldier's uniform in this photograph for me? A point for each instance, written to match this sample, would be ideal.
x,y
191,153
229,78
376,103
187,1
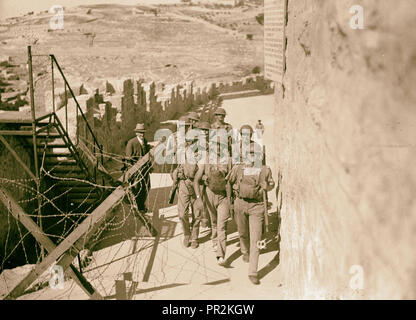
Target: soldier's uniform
x,y
220,124
248,183
218,205
184,175
211,185
172,143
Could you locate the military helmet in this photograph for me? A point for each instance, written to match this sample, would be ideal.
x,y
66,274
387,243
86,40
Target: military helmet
x,y
193,116
184,119
203,125
220,111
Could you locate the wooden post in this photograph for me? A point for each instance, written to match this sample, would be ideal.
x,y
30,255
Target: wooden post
x,y
35,149
16,156
19,214
121,290
71,245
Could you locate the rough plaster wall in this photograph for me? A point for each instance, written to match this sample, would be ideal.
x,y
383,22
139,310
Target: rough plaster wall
x,y
346,147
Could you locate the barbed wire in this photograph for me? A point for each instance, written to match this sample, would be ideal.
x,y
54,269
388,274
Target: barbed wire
x,y
109,232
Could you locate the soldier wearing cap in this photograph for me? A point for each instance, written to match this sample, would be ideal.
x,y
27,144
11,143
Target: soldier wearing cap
x,y
136,148
248,183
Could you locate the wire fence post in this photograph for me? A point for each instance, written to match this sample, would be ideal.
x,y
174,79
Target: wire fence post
x,y
66,110
35,145
53,87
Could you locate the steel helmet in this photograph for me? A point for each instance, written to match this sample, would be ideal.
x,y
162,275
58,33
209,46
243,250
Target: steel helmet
x,y
220,111
193,116
184,119
203,125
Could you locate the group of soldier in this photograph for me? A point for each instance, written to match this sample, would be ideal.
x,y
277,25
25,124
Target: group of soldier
x,y
214,193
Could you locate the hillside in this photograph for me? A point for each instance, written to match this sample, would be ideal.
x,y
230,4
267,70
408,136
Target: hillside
x,y
155,43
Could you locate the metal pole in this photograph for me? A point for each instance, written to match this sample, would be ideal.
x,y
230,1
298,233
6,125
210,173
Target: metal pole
x,y
53,87
66,110
35,146
77,125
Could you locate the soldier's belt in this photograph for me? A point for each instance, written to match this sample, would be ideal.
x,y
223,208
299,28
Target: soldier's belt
x,y
250,200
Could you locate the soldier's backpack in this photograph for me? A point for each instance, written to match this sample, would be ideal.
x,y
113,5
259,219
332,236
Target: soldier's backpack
x,y
216,179
248,183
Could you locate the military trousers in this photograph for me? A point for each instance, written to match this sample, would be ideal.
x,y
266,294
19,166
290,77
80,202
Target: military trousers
x,y
186,199
219,210
249,217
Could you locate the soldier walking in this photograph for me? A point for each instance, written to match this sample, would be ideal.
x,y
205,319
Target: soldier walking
x,y
248,183
184,176
211,188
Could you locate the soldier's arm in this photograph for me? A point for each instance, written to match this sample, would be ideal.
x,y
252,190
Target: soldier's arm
x,y
268,182
231,178
197,179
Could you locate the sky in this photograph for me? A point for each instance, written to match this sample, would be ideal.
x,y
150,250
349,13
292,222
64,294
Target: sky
x,y
14,8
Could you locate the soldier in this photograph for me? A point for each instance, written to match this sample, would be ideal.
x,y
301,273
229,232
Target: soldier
x,y
183,176
211,189
219,122
249,182
172,142
136,148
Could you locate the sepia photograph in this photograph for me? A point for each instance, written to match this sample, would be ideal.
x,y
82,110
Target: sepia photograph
x,y
207,150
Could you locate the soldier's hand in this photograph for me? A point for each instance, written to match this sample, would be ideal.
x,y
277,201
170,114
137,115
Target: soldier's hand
x,y
232,211
198,204
263,185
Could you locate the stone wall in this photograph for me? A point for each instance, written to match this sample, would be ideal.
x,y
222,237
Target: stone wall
x,y
346,148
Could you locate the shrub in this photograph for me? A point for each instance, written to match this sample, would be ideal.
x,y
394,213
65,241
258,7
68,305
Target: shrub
x,y
249,36
256,70
109,88
82,90
260,18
